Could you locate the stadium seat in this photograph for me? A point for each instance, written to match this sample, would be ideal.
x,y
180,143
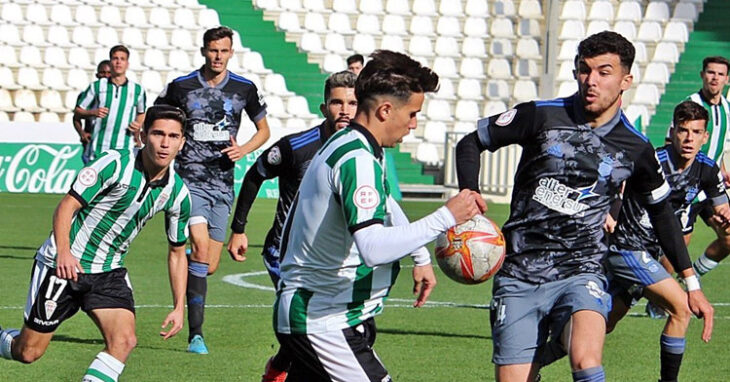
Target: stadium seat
x,y
36,14
646,94
500,47
297,106
526,68
31,56
420,46
424,7
568,50
9,35
477,8
275,106
289,21
633,112
58,36
656,73
595,26
208,18
567,88
86,15
53,79
471,68
51,101
311,43
271,5
333,63
470,89
77,79
504,8
666,52
135,16
448,26
110,16
363,43
49,117
530,9
368,24
7,80
675,31
180,38
157,38
435,132
100,54
394,43
291,5
4,117
314,6
502,27
657,11
451,8
527,48
106,37
152,81
25,100
33,35
499,68
253,62
685,12
374,7
445,67
641,55
473,47
345,6
394,24
274,83
572,30
173,74
421,26
160,17
24,117
601,10
192,4
438,110
524,91
314,22
179,60
565,72
335,42
475,27
79,57
493,108
626,29
427,153
61,14
132,38
497,89
629,11
6,101
296,124
529,28
183,18
464,127
467,110
649,31
636,72
397,7
83,36
573,10
339,23
446,89
12,14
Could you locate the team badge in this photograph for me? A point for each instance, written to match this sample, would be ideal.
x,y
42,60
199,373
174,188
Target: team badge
x,y
87,177
506,117
366,197
50,308
595,290
274,156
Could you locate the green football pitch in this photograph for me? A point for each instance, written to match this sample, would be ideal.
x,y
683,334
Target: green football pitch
x,y
447,340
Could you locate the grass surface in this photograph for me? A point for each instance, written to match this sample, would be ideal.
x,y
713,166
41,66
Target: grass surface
x,y
448,340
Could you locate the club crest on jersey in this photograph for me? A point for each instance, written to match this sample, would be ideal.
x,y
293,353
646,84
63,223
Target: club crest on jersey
x,y
366,197
50,306
559,197
274,156
506,118
87,177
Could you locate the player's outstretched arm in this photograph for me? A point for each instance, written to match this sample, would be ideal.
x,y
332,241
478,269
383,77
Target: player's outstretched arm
x,y
177,265
67,265
468,161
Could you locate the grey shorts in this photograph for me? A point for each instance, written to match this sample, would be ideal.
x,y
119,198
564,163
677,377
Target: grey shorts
x,y
211,207
629,272
523,315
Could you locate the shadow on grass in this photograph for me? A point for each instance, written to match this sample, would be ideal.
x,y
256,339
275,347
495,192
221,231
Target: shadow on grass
x,y
99,341
18,247
434,334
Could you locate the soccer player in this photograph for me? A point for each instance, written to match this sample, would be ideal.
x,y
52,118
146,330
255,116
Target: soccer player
x,y
81,265
355,63
345,234
103,70
577,152
115,104
213,99
288,160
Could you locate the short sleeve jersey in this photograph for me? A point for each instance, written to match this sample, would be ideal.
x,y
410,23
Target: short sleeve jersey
x,y
634,230
124,103
716,127
567,177
288,159
325,285
214,115
117,200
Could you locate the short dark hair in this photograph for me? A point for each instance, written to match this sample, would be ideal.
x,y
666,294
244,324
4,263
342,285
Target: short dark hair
x,y
103,63
217,33
689,111
343,79
163,112
607,42
355,58
715,60
394,74
118,48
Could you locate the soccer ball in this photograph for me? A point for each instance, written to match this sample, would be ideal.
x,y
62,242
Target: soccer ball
x,y
472,252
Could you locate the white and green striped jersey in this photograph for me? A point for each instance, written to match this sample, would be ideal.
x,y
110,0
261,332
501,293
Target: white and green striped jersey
x,y
716,126
117,201
325,285
124,103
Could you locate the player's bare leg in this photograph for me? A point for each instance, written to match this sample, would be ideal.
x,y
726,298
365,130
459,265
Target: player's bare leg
x,y
587,335
197,287
30,345
717,251
521,372
117,326
214,255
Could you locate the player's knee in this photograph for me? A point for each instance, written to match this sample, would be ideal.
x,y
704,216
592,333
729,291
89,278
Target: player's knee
x,y
28,354
681,315
124,344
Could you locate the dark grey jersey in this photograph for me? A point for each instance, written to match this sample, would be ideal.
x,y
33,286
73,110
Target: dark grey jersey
x,y
568,175
634,230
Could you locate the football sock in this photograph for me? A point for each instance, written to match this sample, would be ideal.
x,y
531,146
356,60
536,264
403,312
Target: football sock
x,y
281,361
105,368
195,294
553,352
704,264
672,349
6,342
591,374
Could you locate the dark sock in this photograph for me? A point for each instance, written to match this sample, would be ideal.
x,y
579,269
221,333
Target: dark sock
x,y
195,294
281,360
672,350
592,374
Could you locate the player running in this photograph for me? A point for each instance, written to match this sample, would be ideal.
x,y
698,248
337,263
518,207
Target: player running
x,y
345,234
213,99
288,160
577,152
81,265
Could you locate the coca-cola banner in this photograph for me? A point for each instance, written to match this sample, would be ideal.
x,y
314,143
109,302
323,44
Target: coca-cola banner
x,y
45,157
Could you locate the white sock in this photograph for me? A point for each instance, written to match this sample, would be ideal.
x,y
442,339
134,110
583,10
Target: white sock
x,y
6,342
104,368
704,264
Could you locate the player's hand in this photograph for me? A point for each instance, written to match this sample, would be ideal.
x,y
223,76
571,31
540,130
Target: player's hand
x,y
464,205
610,224
701,308
726,178
68,267
85,137
234,151
101,112
175,318
237,246
424,281
134,126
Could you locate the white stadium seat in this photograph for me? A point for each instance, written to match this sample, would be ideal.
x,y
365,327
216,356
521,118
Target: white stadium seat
x,y
77,79
666,52
333,63
397,7
646,94
526,68
649,31
155,59
438,110
565,72
363,43
7,80
49,117
427,153
493,108
311,43
502,27
36,14
446,89
111,16
339,23
424,7
107,36
641,55
500,47
394,43
132,37
420,46
58,36
529,27
274,83
595,26
394,24
685,12
289,21
51,101
86,15
208,18
656,73
657,11
9,35
183,18
61,14
629,11
530,9
368,24
314,22
527,48
499,68
179,60
447,47
23,116
83,36
254,62
275,106
471,68
626,29
344,6
297,106
421,26
477,8
6,101
181,38
573,10
567,88
53,79
29,79
524,91
12,14
335,42
160,17
33,35
470,89
676,31
475,27
291,5
467,110
504,8
31,56
497,89
448,26
473,47
572,30
374,7
601,10
568,50
435,132
135,16
451,8
25,100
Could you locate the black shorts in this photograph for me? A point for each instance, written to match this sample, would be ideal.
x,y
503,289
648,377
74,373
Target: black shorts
x,y
703,209
338,355
52,300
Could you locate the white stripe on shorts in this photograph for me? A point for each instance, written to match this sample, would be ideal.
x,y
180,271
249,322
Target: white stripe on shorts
x,y
39,273
337,357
